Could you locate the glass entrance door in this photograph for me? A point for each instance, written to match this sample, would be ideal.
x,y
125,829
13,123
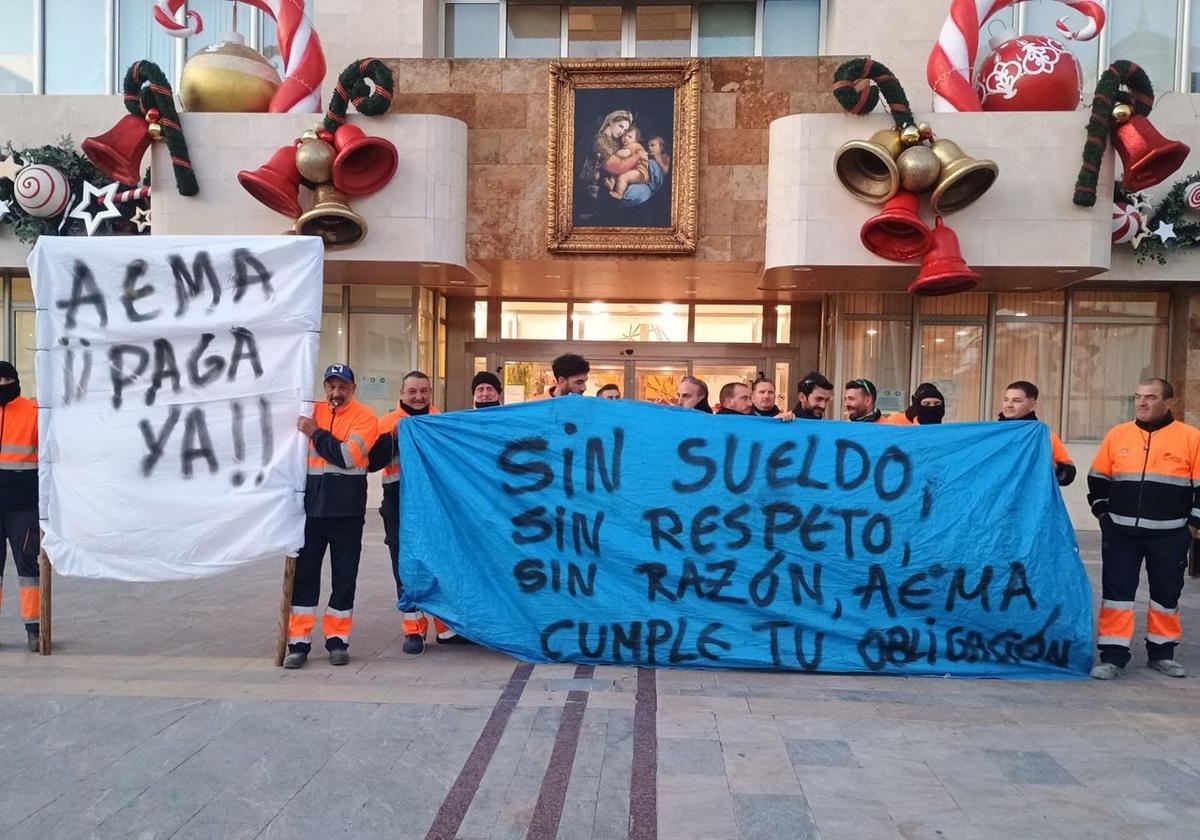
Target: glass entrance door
x,y
653,380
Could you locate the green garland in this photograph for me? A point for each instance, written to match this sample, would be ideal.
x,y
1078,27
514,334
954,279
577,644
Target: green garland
x,y
1140,97
1173,210
148,95
77,169
854,92
352,88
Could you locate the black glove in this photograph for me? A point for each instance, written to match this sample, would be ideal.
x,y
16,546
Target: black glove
x,y
1065,473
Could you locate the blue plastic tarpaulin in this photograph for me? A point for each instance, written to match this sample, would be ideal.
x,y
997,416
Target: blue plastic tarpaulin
x,y
615,532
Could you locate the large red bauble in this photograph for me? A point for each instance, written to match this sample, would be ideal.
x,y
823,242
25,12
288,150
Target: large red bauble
x,y
1030,73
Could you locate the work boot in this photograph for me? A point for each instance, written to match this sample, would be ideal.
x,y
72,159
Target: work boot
x,y
35,646
456,639
414,644
295,659
1168,666
1107,671
339,656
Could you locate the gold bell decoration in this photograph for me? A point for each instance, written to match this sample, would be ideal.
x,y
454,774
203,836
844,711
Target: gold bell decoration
x,y
228,76
332,219
918,167
867,168
314,158
963,179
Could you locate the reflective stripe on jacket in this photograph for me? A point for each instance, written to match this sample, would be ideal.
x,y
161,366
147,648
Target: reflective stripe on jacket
x,y
19,454
1147,478
388,447
337,460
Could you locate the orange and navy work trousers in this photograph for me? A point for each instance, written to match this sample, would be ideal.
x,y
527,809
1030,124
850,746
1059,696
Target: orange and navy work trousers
x,y
19,528
414,621
342,536
1122,551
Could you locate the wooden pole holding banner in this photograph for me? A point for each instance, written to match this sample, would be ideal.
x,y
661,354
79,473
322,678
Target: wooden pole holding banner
x,y
45,583
285,608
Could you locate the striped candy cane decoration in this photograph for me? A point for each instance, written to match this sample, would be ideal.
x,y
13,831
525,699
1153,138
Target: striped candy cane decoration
x,y
952,60
303,58
131,195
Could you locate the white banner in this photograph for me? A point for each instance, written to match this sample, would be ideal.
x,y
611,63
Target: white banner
x,y
171,370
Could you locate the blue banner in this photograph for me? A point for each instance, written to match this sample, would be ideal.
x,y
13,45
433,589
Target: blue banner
x,y
616,532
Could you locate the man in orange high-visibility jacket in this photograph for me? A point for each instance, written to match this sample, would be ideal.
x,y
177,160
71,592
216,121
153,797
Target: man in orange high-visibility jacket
x,y
1144,487
416,395
1020,403
341,433
19,494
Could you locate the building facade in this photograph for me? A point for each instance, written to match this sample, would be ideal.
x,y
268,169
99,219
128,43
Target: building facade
x,y
455,275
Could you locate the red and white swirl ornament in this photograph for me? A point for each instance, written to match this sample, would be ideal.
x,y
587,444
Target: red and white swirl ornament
x,y
41,191
952,59
1191,195
303,58
1126,222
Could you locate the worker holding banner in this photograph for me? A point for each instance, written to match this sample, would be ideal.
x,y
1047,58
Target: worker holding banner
x,y
815,395
693,393
1144,487
1020,403
928,408
859,401
341,433
19,494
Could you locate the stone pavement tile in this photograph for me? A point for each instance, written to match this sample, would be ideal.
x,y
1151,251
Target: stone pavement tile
x,y
820,752
677,724
752,727
512,820
1031,767
498,778
760,766
578,818
612,799
694,808
843,805
771,817
690,757
703,703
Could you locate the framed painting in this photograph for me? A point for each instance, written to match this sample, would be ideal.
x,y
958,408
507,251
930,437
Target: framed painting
x,y
623,153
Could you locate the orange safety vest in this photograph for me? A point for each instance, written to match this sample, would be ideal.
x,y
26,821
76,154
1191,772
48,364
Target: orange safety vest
x,y
387,426
1058,450
356,426
19,435
897,419
1147,479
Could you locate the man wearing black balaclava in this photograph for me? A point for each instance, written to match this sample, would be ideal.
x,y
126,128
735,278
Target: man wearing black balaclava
x,y
19,495
927,409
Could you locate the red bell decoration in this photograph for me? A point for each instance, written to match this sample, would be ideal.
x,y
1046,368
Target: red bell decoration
x,y
119,151
897,232
943,272
1147,157
363,164
1028,73
276,183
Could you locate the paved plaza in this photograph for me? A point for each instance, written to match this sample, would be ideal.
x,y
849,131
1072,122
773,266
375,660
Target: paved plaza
x,y
161,715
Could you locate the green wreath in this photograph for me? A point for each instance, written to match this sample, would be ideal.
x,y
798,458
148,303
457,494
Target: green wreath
x,y
1172,209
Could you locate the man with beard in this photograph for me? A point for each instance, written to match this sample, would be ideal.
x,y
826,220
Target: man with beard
x,y
341,433
1020,403
859,402
19,496
927,409
693,393
815,395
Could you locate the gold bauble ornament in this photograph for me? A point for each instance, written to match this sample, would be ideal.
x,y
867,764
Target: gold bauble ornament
x,y
1121,112
910,135
314,159
918,167
925,130
228,76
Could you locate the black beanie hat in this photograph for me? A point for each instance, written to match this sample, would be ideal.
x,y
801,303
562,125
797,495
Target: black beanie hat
x,y
486,377
8,371
924,391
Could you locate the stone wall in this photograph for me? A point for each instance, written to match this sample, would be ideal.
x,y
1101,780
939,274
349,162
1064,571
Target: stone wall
x,y
504,104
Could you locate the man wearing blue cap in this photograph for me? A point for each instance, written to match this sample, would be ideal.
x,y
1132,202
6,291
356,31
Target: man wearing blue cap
x,y
341,433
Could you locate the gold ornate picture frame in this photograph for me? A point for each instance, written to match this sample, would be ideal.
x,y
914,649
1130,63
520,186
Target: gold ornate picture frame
x,y
624,146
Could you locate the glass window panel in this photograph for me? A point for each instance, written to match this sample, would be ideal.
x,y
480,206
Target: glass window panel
x,y
791,27
331,297
594,31
472,30
1031,304
25,332
425,334
1193,46
876,303
138,37
717,375
630,322
380,353
75,46
731,323
726,29
481,316
1040,18
22,289
526,380
381,297
218,18
1145,31
1113,304
952,359
966,304
1107,362
659,383
601,375
330,349
480,364
529,319
782,387
879,351
1033,352
783,324
534,31
16,47
664,31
